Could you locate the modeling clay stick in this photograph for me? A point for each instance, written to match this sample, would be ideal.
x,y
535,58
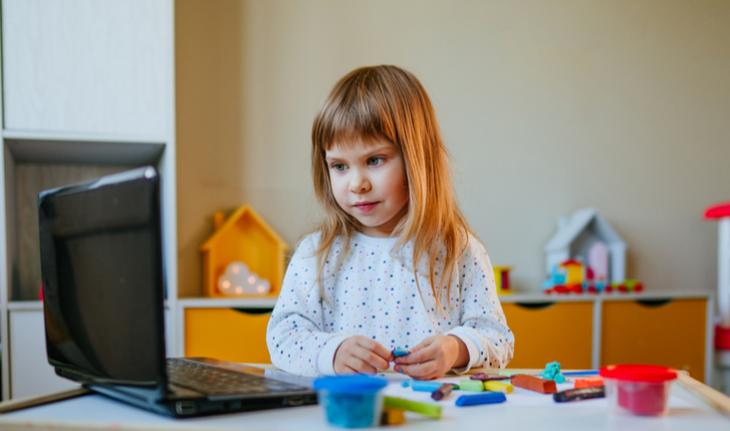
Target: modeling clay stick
x,y
579,394
487,377
425,386
533,383
495,386
591,382
398,352
443,390
471,385
483,398
581,373
426,409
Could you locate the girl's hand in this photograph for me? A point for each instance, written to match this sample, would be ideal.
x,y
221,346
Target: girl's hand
x,y
433,357
358,354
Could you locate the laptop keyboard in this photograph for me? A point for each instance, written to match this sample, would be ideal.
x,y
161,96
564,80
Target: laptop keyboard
x,y
212,380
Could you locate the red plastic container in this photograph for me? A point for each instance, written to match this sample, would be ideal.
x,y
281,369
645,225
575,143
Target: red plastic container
x,y
639,389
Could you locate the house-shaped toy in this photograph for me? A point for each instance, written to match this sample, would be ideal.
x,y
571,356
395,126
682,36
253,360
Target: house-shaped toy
x,y
587,236
244,237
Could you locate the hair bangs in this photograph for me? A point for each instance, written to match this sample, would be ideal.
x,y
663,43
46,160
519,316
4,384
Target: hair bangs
x,y
356,114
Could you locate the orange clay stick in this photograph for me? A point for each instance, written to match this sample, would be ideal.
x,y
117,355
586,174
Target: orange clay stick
x,y
534,384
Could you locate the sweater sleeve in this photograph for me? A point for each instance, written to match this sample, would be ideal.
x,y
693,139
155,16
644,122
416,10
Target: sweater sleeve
x,y
483,327
297,340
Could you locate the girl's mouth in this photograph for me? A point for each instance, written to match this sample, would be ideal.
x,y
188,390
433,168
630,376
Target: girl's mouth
x,y
365,207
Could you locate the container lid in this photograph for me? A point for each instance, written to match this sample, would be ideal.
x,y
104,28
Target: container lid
x,y
718,211
354,383
638,373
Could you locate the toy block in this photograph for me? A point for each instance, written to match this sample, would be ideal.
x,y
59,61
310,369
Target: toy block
x,y
533,383
392,416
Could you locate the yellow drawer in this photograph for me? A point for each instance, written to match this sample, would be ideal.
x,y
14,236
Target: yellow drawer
x,y
547,331
663,332
237,335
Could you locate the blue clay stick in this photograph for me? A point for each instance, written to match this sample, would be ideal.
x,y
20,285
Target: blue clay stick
x,y
482,398
425,386
398,352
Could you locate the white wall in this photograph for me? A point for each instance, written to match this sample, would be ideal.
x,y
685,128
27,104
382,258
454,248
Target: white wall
x,y
546,107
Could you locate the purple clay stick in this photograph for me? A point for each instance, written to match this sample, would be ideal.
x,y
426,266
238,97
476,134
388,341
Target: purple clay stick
x,y
442,392
487,377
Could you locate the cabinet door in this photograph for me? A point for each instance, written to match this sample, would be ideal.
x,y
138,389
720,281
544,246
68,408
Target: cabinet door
x,y
663,332
547,331
30,373
100,67
237,335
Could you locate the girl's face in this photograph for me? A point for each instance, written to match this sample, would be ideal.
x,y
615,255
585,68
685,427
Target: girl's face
x,y
369,183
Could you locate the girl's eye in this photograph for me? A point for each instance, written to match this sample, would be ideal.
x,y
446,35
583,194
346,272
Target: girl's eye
x,y
376,161
338,166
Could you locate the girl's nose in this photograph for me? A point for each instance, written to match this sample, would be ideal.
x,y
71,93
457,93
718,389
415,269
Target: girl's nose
x,y
359,184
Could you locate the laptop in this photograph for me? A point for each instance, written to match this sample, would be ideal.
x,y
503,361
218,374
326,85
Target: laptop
x,y
103,278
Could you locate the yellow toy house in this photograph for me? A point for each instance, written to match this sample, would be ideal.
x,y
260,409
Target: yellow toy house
x,y
245,237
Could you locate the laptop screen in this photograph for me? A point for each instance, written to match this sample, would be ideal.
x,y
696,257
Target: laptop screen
x,y
101,265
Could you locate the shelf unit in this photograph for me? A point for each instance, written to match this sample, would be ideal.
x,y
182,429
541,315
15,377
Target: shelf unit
x,y
88,90
588,331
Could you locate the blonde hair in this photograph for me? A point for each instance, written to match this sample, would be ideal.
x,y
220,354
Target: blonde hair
x,y
388,103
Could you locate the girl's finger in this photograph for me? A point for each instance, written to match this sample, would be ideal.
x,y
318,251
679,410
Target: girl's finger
x,y
421,371
422,345
375,347
370,358
425,353
360,366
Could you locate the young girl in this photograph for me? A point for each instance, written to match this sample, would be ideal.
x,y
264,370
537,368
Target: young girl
x,y
394,264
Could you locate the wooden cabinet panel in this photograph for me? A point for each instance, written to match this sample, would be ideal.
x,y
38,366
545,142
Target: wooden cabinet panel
x,y
546,332
664,332
237,335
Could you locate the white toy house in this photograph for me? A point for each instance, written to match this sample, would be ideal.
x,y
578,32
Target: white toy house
x,y
586,236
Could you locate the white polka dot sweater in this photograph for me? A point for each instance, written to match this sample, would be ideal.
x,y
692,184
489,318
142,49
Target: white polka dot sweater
x,y
374,293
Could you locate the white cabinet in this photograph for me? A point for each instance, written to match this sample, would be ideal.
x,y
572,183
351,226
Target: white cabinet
x,y
88,89
84,66
31,374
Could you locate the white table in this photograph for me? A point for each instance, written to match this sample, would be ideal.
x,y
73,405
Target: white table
x,y
523,410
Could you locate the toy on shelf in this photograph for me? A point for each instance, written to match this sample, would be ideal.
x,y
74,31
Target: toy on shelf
x,y
244,238
239,280
586,255
572,276
501,279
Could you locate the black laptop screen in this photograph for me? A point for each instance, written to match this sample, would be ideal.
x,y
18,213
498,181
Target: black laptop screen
x,y
102,274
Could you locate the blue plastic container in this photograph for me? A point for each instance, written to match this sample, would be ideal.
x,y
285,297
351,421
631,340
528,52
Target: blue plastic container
x,y
352,401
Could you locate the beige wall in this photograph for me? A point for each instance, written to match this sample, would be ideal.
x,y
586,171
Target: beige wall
x,y
546,107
